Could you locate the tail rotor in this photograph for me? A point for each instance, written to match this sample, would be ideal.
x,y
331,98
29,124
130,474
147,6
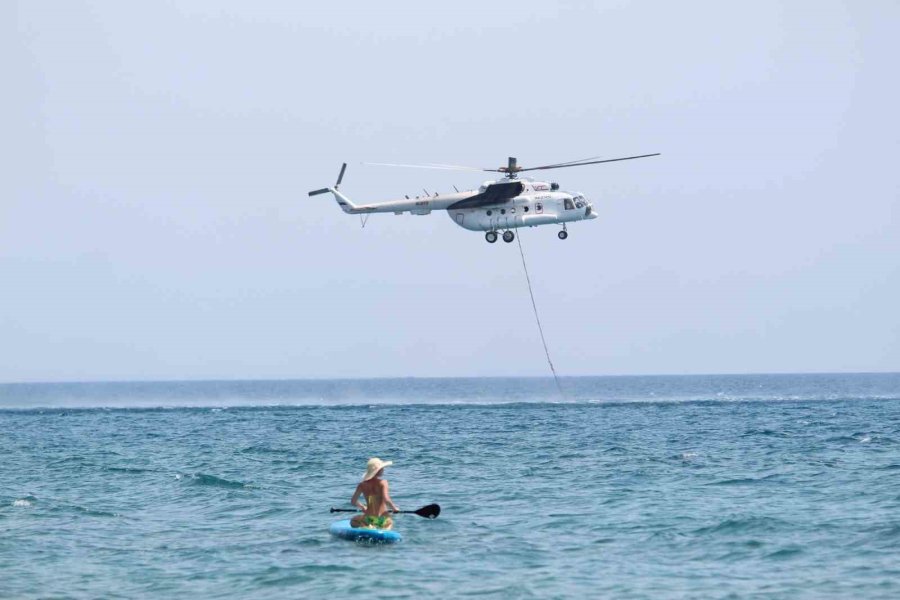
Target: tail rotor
x,y
336,185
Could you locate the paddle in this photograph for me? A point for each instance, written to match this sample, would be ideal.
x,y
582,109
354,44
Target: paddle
x,y
429,512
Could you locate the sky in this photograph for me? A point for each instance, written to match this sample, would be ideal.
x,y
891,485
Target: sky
x,y
155,223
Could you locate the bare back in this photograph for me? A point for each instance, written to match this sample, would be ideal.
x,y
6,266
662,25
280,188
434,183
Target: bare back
x,y
375,492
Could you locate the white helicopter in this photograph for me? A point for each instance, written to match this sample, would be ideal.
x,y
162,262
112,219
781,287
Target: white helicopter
x,y
502,205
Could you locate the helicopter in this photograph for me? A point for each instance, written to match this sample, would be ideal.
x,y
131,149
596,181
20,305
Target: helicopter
x,y
501,205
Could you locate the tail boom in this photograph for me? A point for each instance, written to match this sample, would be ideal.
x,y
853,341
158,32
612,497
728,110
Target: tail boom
x,y
418,205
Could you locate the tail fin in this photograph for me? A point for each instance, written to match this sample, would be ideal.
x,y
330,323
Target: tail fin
x,y
342,200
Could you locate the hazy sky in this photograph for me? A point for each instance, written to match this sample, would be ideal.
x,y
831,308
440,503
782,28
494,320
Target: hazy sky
x,y
154,222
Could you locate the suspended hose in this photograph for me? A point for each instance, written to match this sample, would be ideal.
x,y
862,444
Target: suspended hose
x,y
536,317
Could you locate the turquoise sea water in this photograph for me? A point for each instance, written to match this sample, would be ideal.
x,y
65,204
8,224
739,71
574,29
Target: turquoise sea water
x,y
766,486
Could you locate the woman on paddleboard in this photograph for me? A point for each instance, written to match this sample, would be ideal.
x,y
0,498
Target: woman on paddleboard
x,y
375,490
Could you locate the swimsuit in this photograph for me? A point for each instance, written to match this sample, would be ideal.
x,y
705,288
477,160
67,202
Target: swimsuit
x,y
373,521
376,522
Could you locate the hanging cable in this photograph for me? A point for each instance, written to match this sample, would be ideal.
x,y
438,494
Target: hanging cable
x,y
536,317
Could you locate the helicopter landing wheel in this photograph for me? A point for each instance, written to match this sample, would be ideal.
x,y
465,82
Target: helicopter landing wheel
x,y
508,236
563,234
491,237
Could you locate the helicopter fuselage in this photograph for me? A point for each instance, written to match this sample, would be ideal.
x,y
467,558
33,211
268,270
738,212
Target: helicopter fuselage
x,y
528,204
531,208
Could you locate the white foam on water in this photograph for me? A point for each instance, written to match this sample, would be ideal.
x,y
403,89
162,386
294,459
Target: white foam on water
x,y
22,502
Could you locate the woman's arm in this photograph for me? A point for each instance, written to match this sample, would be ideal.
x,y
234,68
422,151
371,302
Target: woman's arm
x,y
387,497
355,499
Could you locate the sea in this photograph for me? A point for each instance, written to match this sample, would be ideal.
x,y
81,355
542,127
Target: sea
x,y
738,486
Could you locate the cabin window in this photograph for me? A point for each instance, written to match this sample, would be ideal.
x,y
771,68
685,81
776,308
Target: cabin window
x,y
513,209
489,213
539,207
568,204
502,211
525,208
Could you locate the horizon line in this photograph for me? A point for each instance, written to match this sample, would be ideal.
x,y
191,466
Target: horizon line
x,y
426,377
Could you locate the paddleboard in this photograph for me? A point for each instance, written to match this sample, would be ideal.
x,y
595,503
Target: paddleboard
x,y
343,530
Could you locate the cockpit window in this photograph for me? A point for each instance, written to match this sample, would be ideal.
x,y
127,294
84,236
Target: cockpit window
x,y
568,204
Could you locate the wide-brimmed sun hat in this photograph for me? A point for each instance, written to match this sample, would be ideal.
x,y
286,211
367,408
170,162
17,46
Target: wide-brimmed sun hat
x,y
374,465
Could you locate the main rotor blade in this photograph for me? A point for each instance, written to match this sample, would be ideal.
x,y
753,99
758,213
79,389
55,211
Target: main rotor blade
x,y
458,167
430,166
589,162
569,162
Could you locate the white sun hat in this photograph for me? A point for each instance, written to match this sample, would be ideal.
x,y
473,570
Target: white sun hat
x,y
374,465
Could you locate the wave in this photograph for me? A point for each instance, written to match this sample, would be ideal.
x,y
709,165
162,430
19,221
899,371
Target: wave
x,y
685,456
773,478
203,479
129,470
94,512
52,506
267,450
886,532
763,432
855,438
745,525
785,553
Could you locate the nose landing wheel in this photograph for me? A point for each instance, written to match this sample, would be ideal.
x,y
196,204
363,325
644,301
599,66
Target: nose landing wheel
x,y
563,234
491,237
508,236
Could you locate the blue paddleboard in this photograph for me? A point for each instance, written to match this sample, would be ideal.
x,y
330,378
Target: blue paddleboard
x,y
342,529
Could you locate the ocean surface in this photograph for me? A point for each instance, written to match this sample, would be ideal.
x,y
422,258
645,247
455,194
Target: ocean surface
x,y
762,486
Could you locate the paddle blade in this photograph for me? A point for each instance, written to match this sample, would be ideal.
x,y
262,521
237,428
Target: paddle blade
x,y
429,512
